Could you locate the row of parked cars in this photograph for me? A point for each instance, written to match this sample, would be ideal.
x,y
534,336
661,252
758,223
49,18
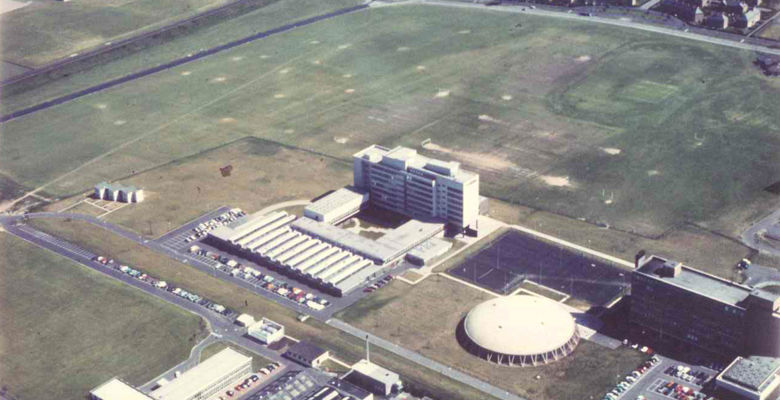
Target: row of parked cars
x,y
632,378
200,231
267,282
162,285
379,284
250,381
680,392
684,372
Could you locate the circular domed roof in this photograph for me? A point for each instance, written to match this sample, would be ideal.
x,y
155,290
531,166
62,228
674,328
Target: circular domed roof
x,y
520,325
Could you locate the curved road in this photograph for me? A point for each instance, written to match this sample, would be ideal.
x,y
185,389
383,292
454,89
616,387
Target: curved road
x,y
524,9
220,326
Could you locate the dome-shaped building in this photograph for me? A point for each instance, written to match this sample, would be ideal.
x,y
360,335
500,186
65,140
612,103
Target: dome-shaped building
x,y
520,331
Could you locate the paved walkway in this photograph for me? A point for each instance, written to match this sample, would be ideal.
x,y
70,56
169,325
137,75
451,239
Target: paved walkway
x,y
284,204
424,361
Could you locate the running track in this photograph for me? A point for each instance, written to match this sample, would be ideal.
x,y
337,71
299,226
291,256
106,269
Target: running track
x,y
177,62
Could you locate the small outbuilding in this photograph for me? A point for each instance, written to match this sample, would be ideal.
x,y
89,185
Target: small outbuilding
x,y
307,354
245,320
374,378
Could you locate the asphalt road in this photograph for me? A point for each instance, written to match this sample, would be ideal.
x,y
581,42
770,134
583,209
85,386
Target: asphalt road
x,y
750,237
175,63
219,325
525,9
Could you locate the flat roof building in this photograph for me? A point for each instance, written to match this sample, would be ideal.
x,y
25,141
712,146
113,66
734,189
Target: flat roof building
x,y
427,251
266,331
245,320
374,378
752,378
403,181
337,206
671,300
307,354
215,374
115,389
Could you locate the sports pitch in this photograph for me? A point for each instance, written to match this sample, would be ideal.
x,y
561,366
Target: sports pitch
x,y
506,262
610,125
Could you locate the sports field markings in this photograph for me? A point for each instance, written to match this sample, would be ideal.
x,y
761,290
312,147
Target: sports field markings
x,y
646,91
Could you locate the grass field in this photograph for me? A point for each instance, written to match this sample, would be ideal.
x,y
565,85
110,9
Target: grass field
x,y
543,120
46,30
270,16
424,319
258,361
345,347
699,248
263,174
66,329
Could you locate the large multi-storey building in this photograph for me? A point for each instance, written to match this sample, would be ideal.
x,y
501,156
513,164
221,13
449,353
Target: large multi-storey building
x,y
405,182
674,301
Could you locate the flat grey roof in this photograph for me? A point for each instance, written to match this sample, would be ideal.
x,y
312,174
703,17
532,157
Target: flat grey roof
x,y
336,199
376,372
699,282
413,160
384,249
200,377
344,238
754,372
306,350
410,234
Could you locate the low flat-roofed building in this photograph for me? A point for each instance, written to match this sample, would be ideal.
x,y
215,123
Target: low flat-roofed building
x,y
426,251
266,331
307,354
245,320
351,390
115,389
374,378
206,379
337,206
752,378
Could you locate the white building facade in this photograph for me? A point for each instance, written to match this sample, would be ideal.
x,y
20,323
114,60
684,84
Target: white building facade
x,y
405,182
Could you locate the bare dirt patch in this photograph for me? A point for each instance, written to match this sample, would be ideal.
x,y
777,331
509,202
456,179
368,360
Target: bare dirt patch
x,y
481,160
557,181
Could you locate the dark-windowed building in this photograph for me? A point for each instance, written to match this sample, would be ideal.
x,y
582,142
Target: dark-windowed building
x,y
674,301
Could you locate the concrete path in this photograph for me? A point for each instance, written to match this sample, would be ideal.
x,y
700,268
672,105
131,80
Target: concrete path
x,y
751,237
284,204
424,361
